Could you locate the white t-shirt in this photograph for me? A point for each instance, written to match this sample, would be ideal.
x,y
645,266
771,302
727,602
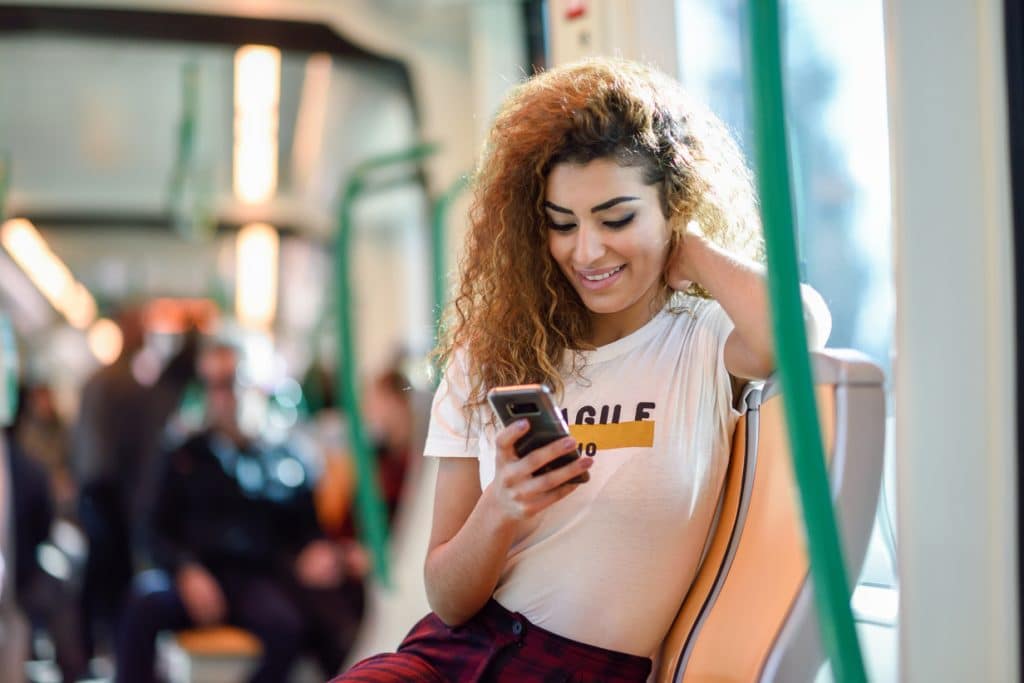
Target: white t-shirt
x,y
610,563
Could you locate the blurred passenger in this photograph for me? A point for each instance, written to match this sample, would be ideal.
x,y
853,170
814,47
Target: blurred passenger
x,y
119,428
41,433
234,535
13,637
388,415
46,598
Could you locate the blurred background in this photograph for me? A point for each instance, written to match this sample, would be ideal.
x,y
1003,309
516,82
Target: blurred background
x,y
288,178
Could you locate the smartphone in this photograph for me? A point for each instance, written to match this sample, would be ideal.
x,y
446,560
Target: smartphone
x,y
534,402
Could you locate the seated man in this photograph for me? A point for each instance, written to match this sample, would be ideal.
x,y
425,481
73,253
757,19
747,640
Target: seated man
x,y
233,532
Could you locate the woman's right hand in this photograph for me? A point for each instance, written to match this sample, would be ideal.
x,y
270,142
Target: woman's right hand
x,y
473,529
515,492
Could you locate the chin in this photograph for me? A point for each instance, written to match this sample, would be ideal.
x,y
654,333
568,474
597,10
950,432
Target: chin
x,y
603,306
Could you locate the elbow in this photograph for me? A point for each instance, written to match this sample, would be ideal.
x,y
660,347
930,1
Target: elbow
x,y
441,607
447,612
817,318
445,600
451,618
762,368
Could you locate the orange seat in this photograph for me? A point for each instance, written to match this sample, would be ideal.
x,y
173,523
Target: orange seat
x,y
749,615
216,641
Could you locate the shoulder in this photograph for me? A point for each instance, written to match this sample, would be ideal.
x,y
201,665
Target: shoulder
x,y
456,378
690,313
698,327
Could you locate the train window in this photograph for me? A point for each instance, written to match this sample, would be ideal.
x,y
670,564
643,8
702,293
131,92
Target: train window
x,y
836,105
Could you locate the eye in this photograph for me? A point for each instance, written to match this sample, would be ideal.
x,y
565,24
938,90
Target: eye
x,y
622,222
560,227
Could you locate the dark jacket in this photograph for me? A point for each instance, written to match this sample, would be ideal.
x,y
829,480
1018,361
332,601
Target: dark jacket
x,y
247,510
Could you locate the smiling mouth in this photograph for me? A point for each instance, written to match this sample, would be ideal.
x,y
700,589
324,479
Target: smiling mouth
x,y
602,276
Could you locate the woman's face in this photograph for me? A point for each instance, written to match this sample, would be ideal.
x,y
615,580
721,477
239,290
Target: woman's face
x,y
607,233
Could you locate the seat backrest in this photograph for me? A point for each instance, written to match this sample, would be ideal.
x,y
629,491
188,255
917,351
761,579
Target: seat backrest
x,y
749,615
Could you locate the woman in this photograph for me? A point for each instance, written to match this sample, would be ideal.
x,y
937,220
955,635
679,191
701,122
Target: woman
x,y
614,255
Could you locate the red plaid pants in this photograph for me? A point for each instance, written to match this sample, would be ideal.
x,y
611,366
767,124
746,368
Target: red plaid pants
x,y
495,645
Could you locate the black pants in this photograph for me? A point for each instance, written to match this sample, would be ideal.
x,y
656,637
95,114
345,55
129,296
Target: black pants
x,y
48,602
108,567
286,618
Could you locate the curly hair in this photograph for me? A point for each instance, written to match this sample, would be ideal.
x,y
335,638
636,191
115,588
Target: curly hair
x,y
514,314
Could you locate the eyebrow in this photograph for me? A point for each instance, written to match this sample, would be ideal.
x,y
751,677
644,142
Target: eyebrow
x,y
600,207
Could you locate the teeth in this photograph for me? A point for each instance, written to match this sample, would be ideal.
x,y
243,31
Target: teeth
x,y
605,276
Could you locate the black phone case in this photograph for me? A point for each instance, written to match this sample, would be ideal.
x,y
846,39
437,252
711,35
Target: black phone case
x,y
546,425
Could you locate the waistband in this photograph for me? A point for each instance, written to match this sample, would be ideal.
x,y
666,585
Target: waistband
x,y
501,620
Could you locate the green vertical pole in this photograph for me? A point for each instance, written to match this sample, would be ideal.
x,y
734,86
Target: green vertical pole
x,y
5,180
370,511
371,514
831,589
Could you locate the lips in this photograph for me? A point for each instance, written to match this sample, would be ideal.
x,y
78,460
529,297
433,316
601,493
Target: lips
x,y
599,278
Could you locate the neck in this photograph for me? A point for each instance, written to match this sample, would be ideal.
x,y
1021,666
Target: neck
x,y
606,328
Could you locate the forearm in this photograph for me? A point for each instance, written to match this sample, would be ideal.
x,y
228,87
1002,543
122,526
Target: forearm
x,y
461,573
740,286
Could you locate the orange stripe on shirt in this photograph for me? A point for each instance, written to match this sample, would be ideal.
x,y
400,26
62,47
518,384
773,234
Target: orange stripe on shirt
x,y
621,435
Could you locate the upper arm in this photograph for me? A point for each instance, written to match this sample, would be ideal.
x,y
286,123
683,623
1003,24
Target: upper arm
x,y
455,496
741,362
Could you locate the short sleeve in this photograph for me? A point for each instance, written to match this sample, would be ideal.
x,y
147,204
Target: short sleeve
x,y
450,434
714,327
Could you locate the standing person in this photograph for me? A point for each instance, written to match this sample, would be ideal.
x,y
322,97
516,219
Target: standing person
x,y
41,433
45,599
387,411
613,253
234,536
119,427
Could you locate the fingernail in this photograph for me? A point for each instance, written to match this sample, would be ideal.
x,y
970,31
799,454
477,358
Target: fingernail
x,y
569,442
588,462
521,424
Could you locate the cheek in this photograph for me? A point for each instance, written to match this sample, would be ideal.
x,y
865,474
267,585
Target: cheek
x,y
652,250
559,247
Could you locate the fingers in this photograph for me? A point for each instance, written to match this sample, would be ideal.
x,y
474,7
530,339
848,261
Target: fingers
x,y
558,477
506,439
522,495
545,454
548,498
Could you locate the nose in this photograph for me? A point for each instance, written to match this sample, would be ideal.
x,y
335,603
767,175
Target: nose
x,y
589,247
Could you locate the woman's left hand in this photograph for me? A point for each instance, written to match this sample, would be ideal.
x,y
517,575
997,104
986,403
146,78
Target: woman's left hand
x,y
680,271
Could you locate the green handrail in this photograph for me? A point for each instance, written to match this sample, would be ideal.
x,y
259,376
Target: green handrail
x,y
437,248
831,589
370,511
185,152
5,181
